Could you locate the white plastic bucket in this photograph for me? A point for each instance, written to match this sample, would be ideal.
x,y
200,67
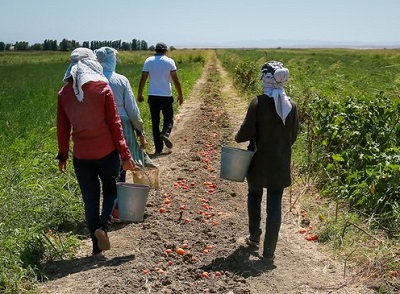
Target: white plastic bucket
x,y
132,200
234,163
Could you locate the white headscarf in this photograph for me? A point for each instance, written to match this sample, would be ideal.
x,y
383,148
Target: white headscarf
x,y
274,76
83,68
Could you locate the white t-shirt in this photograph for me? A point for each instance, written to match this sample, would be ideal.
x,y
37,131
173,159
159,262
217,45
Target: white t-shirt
x,y
159,68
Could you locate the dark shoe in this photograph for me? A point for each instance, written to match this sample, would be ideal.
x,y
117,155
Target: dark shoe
x,y
166,140
252,243
268,258
102,239
99,256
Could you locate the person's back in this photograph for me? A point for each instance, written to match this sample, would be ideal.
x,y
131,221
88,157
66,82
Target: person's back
x,y
86,106
128,110
89,128
159,68
271,126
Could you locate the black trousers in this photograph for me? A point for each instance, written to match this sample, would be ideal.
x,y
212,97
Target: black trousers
x,y
161,105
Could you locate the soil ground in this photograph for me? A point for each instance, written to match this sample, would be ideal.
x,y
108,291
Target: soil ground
x,y
214,218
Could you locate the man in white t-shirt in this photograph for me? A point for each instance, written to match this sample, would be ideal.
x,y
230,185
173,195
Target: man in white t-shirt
x,y
160,69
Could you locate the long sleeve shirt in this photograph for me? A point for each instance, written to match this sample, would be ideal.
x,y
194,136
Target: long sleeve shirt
x,y
272,140
124,98
93,124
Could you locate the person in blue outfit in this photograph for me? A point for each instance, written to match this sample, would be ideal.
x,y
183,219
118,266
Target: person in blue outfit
x,y
132,123
128,110
160,69
271,126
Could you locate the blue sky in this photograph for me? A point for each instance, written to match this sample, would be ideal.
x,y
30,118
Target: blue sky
x,y
200,22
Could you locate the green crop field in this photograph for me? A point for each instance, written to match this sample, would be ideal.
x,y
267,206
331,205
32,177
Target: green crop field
x,y
349,142
39,207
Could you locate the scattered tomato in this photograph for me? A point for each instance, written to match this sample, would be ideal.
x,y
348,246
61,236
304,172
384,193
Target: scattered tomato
x,y
168,251
182,207
394,273
217,273
303,231
204,275
180,251
162,209
311,238
145,272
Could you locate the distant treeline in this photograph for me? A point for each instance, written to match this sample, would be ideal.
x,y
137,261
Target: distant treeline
x,y
68,45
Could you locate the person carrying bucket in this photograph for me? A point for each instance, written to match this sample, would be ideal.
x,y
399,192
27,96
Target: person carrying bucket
x,y
86,112
271,126
132,123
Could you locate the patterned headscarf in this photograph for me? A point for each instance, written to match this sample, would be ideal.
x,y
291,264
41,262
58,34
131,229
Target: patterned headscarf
x,y
83,68
274,76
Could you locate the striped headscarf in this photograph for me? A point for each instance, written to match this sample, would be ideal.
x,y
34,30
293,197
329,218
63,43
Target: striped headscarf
x,y
274,76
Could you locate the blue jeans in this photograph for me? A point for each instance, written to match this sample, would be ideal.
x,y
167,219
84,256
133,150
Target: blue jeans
x,y
90,173
273,220
159,104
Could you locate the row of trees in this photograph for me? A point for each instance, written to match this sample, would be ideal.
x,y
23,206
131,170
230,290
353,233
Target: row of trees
x,y
68,45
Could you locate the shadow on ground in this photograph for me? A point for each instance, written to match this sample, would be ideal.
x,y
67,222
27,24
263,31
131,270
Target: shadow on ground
x,y
244,261
58,269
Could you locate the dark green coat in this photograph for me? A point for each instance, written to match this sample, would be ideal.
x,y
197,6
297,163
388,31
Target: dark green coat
x,y
270,166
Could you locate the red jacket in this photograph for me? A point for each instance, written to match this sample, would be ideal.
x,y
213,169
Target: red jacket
x,y
95,123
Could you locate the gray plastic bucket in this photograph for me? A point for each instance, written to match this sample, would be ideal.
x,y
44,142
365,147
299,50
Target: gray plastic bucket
x,y
234,163
132,200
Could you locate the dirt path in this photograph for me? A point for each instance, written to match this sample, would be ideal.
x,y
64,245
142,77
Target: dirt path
x,y
210,226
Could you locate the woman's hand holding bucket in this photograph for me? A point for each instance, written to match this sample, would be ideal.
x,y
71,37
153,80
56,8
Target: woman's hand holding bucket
x,y
128,165
143,141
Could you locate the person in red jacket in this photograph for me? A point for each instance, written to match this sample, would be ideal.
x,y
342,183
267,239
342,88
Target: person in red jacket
x,y
86,112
